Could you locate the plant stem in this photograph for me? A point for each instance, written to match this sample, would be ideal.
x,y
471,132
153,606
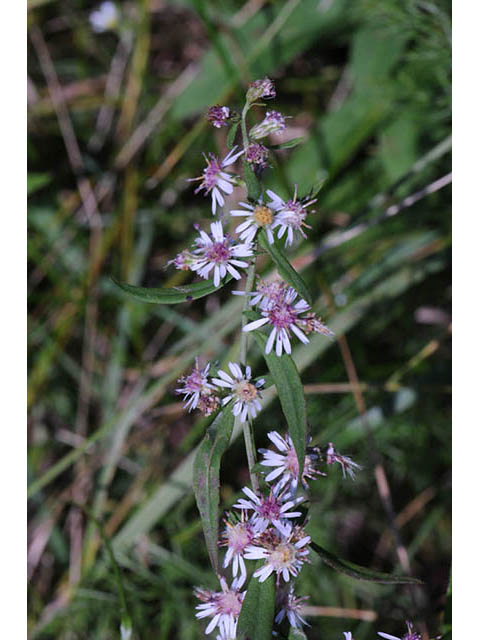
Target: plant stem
x,y
244,125
247,426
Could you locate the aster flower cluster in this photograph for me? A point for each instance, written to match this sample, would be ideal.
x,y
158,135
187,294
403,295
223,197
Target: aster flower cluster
x,y
263,535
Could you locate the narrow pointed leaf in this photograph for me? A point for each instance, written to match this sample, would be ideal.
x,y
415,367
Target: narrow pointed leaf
x,y
284,267
358,572
251,180
256,617
231,135
174,295
288,144
206,478
290,392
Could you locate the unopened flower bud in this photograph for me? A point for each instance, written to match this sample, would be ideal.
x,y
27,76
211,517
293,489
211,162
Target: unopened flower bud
x,y
273,122
263,88
257,155
218,116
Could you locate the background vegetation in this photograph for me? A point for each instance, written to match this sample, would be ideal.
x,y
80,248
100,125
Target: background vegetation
x,y
367,83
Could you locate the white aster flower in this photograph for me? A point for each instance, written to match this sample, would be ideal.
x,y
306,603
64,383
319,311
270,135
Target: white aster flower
x,y
348,635
245,394
105,17
215,180
267,294
258,217
236,537
291,607
224,606
284,555
220,253
284,316
286,463
290,215
271,509
410,635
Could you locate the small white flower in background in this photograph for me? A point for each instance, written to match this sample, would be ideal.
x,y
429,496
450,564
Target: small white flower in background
x,y
243,392
348,635
410,635
271,509
218,116
219,253
284,555
349,467
215,180
291,607
258,217
287,464
224,606
125,632
105,17
290,215
273,123
195,386
236,537
285,316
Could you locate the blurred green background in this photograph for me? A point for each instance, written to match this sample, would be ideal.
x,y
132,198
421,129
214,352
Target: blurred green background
x,y
116,126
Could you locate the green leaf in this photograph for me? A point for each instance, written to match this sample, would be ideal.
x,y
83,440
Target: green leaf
x,y
288,144
284,267
256,617
171,296
296,634
290,392
231,135
206,478
252,182
358,572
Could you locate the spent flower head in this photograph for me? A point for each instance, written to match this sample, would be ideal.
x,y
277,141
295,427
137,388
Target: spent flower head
x,y
218,252
349,467
214,180
218,116
291,607
245,395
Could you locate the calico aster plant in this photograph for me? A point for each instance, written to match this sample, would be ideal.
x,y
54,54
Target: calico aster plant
x,y
265,535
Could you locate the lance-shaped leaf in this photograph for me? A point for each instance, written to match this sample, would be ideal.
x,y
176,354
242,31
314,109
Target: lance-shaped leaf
x,y
288,144
284,267
206,478
358,572
174,295
258,608
231,135
253,185
290,392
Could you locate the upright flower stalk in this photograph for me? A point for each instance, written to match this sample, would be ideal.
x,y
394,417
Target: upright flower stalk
x,y
264,535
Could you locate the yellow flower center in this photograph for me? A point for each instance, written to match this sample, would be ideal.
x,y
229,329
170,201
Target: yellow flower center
x,y
246,391
263,215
